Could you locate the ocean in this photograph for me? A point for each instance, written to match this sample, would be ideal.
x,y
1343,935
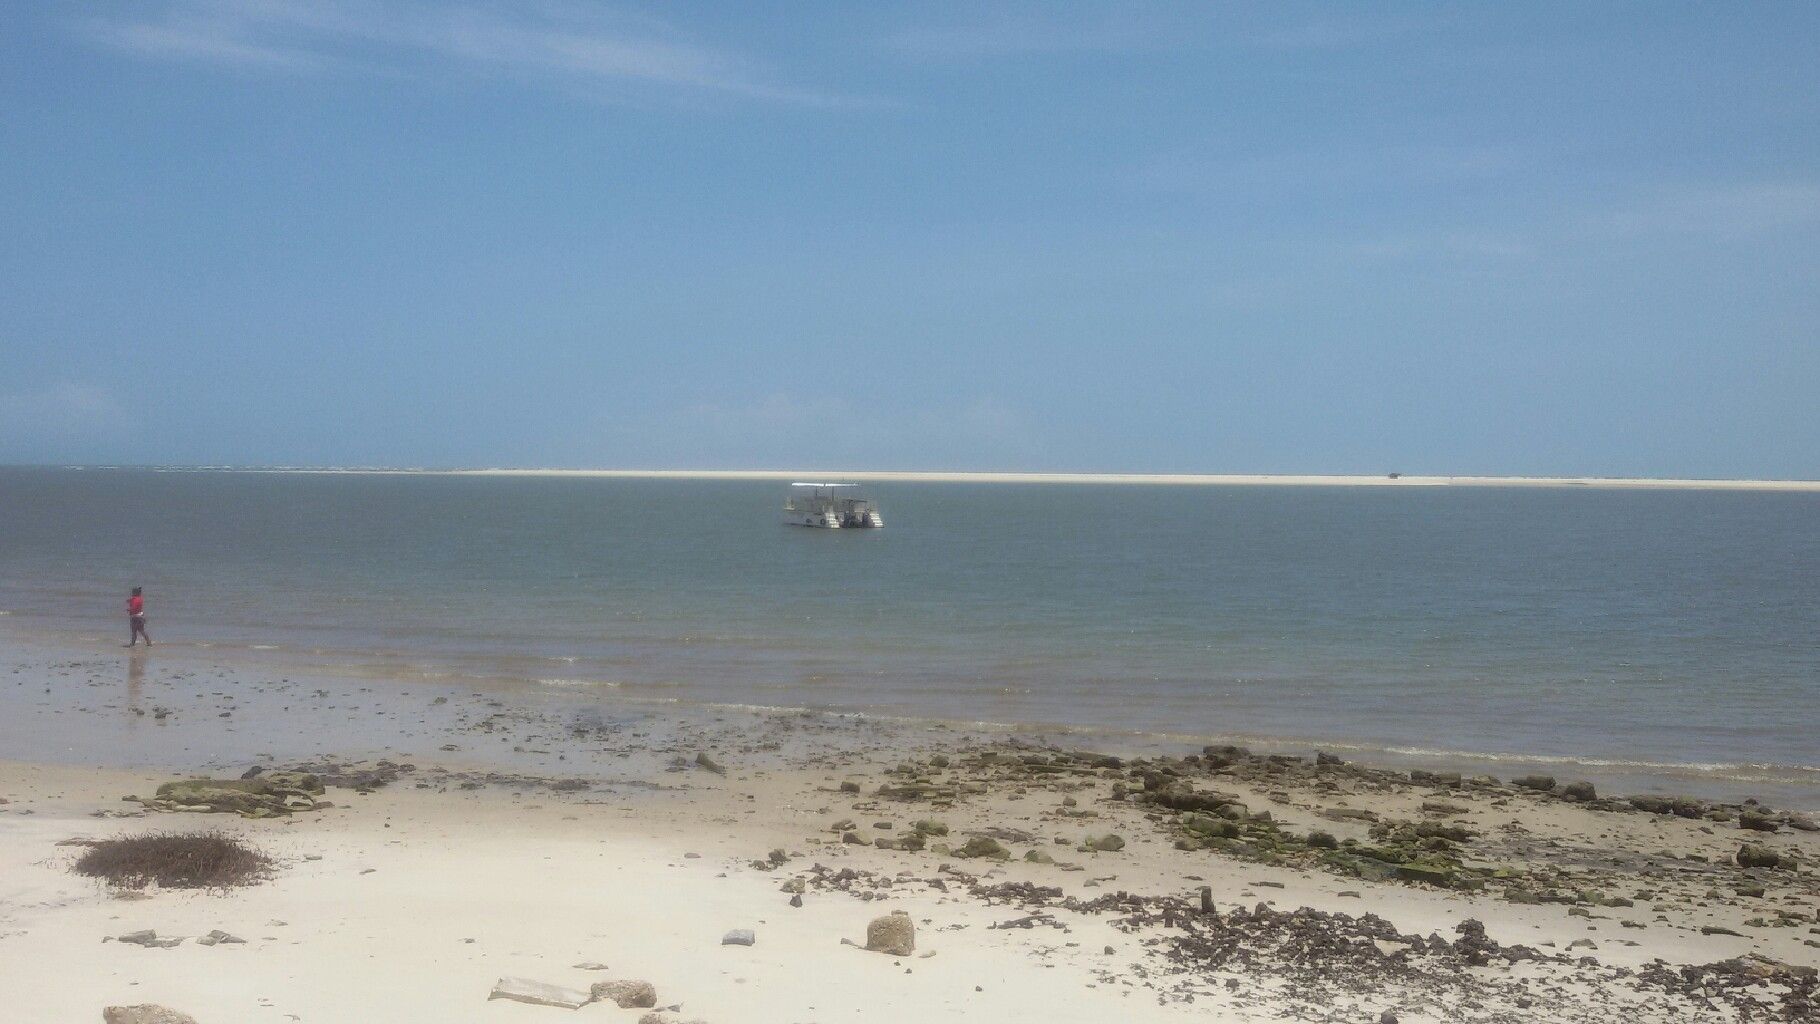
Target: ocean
x,y
1665,633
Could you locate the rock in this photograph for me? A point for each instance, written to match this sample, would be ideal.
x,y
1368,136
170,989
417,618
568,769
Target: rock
x,y
1757,821
1106,844
852,839
627,994
893,933
930,828
1579,791
1541,783
739,937
1387,1017
1756,855
709,764
1323,841
142,937
849,787
269,795
1653,804
1433,874
1324,758
1038,857
149,939
219,937
145,1013
537,993
983,846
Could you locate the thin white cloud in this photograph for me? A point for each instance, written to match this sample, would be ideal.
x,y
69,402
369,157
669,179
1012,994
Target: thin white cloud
x,y
1018,37
1126,28
61,409
191,41
1322,171
574,44
1725,212
1716,214
1440,245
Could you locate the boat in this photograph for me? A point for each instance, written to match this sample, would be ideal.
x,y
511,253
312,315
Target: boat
x,y
830,507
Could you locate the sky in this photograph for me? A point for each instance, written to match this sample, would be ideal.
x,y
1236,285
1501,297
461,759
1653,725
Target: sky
x,y
1526,238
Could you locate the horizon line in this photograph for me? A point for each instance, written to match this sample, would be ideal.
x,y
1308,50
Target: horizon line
x,y
1017,477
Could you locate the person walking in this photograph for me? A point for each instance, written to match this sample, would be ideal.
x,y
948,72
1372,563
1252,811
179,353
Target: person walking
x,y
135,615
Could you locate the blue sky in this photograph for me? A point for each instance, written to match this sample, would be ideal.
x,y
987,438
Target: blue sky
x,y
1518,238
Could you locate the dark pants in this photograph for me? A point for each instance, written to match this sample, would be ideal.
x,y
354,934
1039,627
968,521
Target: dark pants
x,y
139,631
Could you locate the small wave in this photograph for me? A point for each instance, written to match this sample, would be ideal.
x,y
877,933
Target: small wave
x,y
608,684
1597,762
262,647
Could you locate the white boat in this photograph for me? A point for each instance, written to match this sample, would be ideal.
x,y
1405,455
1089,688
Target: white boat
x,y
828,506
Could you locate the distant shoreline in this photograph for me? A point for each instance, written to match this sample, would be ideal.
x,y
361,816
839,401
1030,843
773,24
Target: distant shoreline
x,y
1135,479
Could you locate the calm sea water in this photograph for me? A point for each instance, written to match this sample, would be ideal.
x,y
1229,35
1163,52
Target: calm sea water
x,y
1663,628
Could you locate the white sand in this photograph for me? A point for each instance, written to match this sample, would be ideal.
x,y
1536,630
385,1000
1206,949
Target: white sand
x,y
1167,479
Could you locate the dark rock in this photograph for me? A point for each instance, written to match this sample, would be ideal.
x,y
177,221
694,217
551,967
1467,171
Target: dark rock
x,y
1756,855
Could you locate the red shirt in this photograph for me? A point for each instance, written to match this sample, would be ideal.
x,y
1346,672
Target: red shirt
x,y
135,605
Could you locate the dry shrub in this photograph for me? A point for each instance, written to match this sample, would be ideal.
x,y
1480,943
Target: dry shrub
x,y
188,860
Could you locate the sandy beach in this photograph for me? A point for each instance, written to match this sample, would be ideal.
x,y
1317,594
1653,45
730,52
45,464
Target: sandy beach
x,y
465,836
1133,479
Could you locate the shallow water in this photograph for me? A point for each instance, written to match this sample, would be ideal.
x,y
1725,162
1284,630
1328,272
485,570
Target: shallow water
x,y
1671,632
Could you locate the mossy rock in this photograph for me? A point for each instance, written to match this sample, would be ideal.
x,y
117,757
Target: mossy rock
x,y
930,828
984,847
248,797
1432,874
1756,855
1106,843
1369,868
291,782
